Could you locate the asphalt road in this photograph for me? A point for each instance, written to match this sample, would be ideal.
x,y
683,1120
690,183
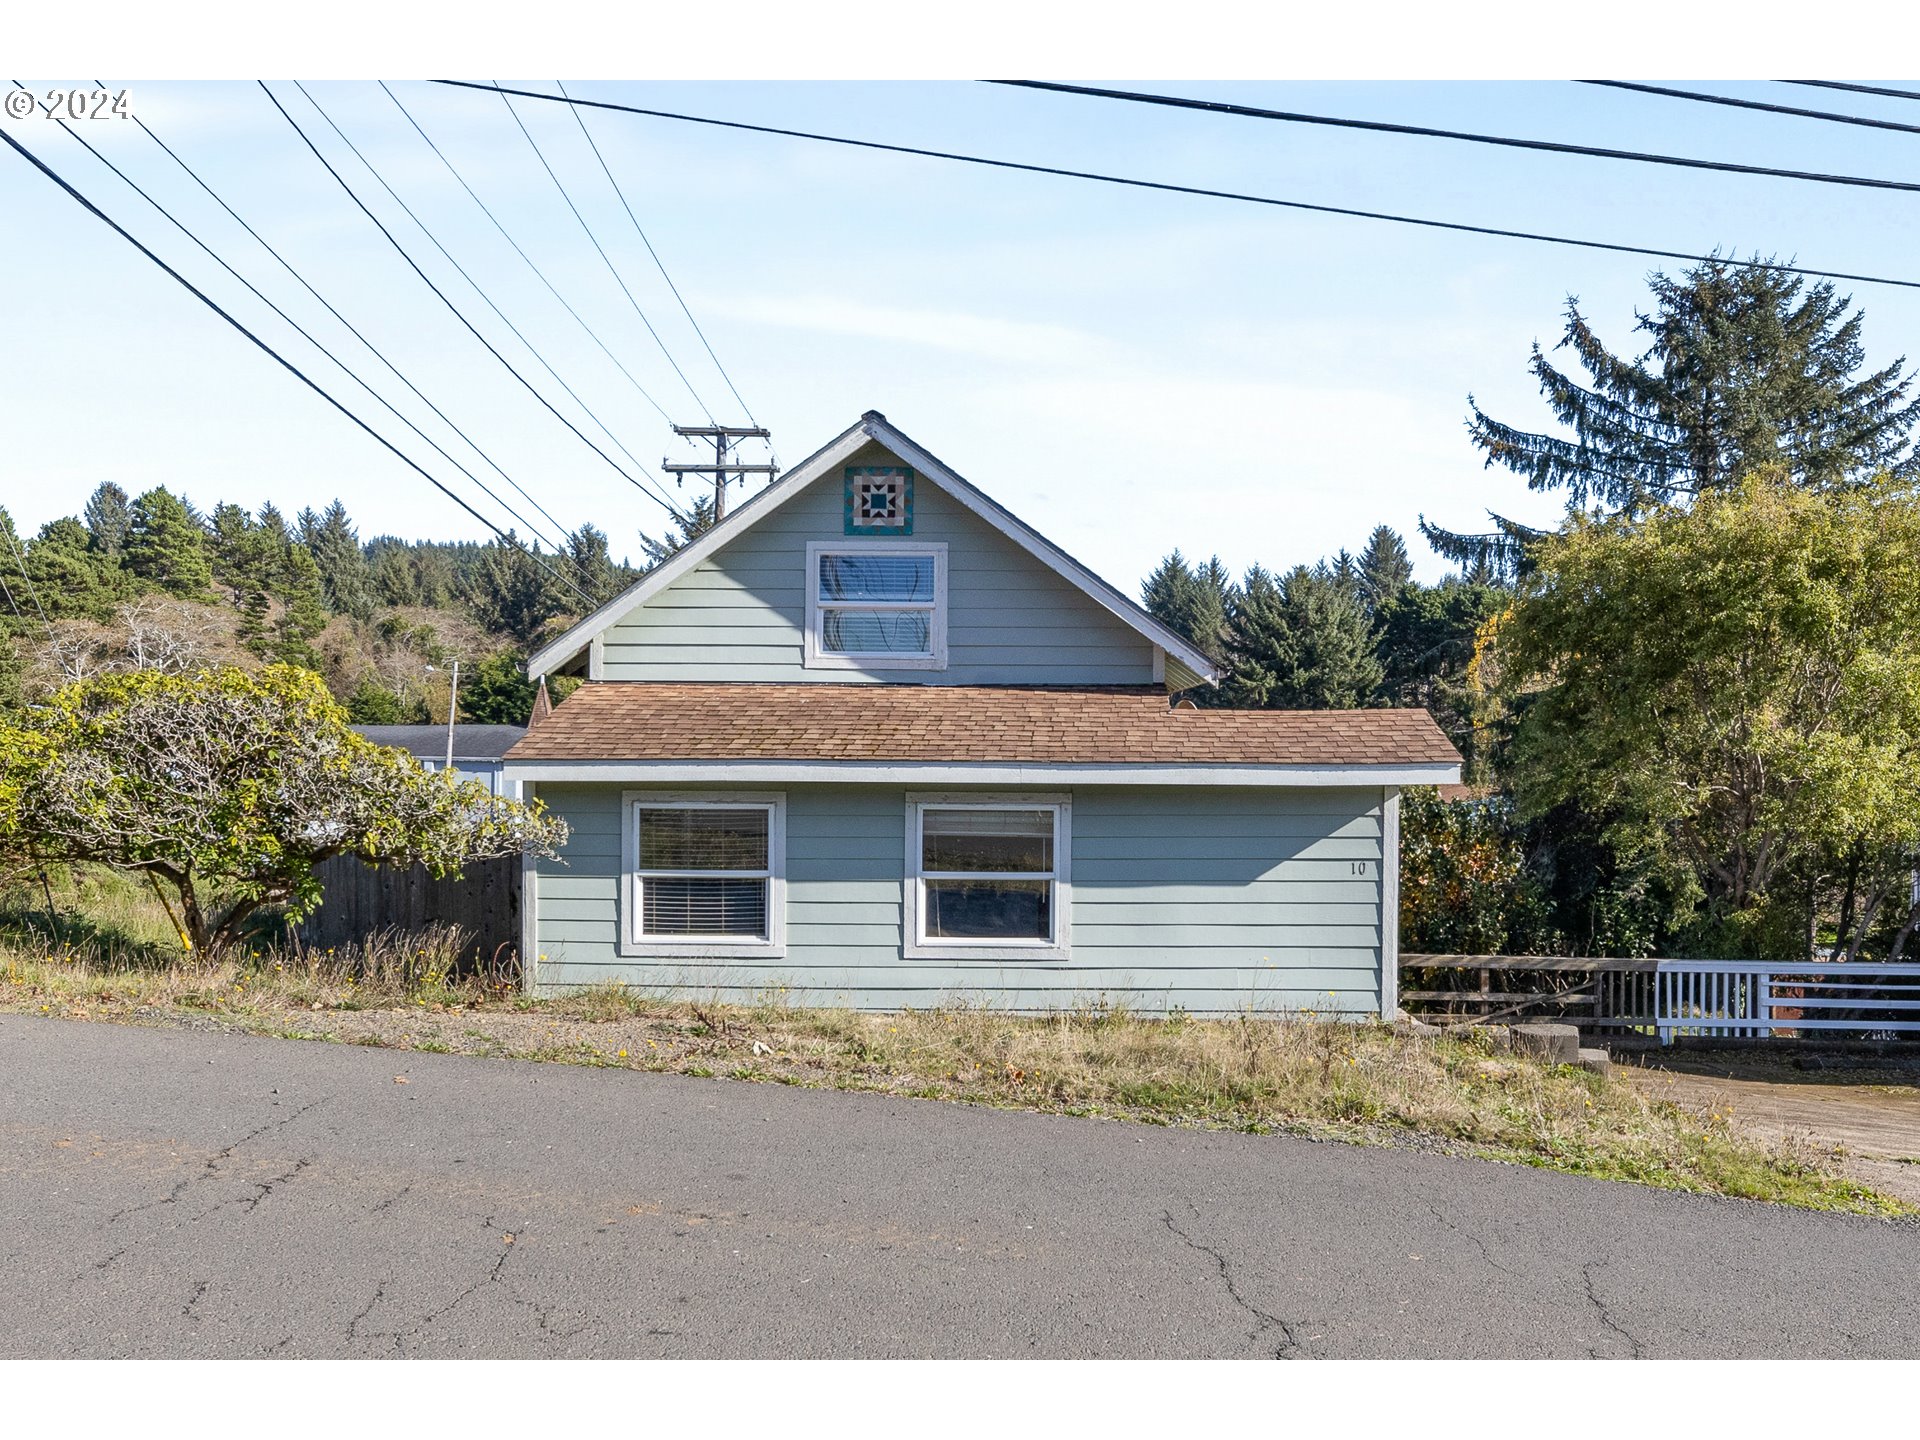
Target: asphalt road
x,y
174,1194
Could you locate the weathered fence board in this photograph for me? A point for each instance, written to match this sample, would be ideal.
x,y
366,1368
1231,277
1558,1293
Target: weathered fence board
x,y
362,899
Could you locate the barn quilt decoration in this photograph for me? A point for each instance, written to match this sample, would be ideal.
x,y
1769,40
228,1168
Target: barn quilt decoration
x,y
879,500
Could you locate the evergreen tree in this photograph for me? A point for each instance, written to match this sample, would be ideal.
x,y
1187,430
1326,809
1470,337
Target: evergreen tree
x,y
1344,571
498,692
1194,604
1745,367
396,578
511,594
1302,643
372,703
1384,567
590,565
70,576
690,526
343,565
109,516
166,547
303,606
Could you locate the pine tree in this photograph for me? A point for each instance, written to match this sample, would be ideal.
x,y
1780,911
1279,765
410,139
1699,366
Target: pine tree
x,y
690,526
589,564
343,564
166,547
1194,604
1384,568
498,692
1744,367
511,593
1302,643
303,606
109,515
70,576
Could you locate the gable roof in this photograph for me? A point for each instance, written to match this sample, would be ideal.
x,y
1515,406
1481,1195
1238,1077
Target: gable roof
x,y
744,721
874,427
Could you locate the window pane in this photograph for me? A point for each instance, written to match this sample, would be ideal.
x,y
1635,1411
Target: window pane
x,y
703,838
696,906
877,577
876,632
991,840
989,909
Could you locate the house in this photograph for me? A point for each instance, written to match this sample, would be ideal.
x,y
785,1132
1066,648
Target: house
x,y
479,751
872,741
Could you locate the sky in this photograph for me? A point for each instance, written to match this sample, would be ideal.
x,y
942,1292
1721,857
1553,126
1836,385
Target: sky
x,y
1129,371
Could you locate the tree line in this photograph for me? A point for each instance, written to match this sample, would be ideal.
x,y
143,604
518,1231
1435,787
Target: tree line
x,y
1691,714
382,620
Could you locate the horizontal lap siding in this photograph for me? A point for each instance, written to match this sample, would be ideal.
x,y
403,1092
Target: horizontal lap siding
x,y
1254,902
741,614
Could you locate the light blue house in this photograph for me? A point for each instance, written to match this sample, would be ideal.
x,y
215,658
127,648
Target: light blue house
x,y
872,741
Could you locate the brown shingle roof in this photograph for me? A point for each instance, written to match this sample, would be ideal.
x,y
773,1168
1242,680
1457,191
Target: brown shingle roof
x,y
946,724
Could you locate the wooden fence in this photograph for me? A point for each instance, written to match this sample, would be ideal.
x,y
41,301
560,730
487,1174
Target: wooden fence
x,y
362,899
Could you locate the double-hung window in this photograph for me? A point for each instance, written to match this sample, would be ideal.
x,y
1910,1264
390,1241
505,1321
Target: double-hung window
x,y
704,875
877,604
988,877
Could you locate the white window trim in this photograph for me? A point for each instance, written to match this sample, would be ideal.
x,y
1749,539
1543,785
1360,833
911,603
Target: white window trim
x,y
819,658
1060,948
632,942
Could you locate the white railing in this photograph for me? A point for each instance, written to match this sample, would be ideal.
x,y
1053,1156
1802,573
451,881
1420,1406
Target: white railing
x,y
1748,998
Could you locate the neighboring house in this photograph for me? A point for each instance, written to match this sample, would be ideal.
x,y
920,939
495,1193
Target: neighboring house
x,y
872,741
478,750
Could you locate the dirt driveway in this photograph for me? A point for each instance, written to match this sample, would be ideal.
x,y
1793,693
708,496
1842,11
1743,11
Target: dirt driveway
x,y
1866,1109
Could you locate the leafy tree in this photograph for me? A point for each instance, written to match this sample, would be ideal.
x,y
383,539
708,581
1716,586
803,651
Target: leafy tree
x,y
1465,888
1304,642
344,577
229,788
1744,367
166,547
109,517
372,703
1384,569
1733,688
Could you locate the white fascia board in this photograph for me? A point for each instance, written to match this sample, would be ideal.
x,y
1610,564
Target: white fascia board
x,y
556,654
1044,550
889,772
835,452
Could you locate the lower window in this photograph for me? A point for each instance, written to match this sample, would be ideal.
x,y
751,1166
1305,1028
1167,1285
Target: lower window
x,y
704,874
988,878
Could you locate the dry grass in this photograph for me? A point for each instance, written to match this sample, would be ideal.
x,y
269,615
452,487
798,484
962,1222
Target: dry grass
x,y
1254,1072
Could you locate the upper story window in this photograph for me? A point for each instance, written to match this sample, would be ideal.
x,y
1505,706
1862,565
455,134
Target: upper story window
x,y
877,604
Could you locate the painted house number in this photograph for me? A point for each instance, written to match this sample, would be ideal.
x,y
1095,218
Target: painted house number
x,y
1359,867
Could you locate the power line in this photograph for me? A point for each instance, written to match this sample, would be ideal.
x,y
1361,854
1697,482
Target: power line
x,y
580,120
278,358
1707,99
1860,89
508,237
612,269
1554,147
21,560
312,340
1458,227
414,266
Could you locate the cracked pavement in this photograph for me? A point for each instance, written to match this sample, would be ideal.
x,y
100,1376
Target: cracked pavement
x,y
168,1193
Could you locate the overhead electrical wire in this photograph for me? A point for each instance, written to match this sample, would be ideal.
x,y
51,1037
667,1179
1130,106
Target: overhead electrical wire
x,y
21,560
1222,107
1454,226
600,250
455,310
275,355
507,235
1858,89
557,546
580,119
1706,99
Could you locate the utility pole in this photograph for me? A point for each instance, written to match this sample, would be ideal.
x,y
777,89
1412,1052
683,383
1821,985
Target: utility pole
x,y
722,469
453,709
